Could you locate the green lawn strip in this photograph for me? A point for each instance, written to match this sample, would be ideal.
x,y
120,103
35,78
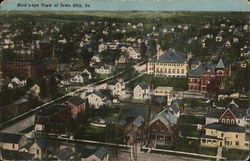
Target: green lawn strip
x,y
177,83
184,155
194,102
189,130
190,146
190,119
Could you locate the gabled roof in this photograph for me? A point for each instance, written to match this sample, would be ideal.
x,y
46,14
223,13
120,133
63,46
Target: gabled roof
x,y
220,64
216,113
174,108
20,101
226,127
76,100
201,69
101,153
138,121
167,117
136,111
171,57
10,138
143,85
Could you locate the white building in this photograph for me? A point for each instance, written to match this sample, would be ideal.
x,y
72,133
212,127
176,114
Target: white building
x,y
141,91
77,79
117,87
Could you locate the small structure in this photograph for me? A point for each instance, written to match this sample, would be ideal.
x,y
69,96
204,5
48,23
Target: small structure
x,y
164,91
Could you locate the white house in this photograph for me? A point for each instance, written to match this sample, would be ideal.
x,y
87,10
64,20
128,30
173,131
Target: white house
x,y
88,73
103,70
97,99
141,91
77,79
133,53
164,91
117,87
35,90
15,82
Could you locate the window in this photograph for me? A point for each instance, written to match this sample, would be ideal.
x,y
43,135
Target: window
x,y
236,136
238,121
212,132
169,70
178,71
182,71
222,134
236,143
13,146
223,120
232,121
228,121
204,140
37,152
173,70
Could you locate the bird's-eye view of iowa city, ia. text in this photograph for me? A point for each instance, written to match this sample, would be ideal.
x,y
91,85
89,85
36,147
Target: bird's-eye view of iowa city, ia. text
x,y
124,86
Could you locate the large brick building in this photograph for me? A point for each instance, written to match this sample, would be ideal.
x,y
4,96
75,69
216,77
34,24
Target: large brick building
x,y
28,62
207,77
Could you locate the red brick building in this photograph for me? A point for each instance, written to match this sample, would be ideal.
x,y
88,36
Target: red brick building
x,y
162,127
28,62
77,105
207,77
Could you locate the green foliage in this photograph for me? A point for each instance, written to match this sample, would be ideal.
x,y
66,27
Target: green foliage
x,y
235,154
239,79
177,83
190,119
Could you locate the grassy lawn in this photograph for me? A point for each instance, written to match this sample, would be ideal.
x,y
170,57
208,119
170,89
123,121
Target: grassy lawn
x,y
111,133
190,119
194,102
235,154
191,146
189,130
177,83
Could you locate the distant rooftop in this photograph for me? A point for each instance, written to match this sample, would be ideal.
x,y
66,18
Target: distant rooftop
x,y
53,110
171,56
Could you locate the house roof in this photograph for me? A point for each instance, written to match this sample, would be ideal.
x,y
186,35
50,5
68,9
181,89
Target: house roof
x,y
159,99
167,117
143,85
174,108
101,153
53,110
171,57
216,113
136,111
138,121
227,101
65,153
220,64
10,138
41,143
226,127
201,69
76,100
